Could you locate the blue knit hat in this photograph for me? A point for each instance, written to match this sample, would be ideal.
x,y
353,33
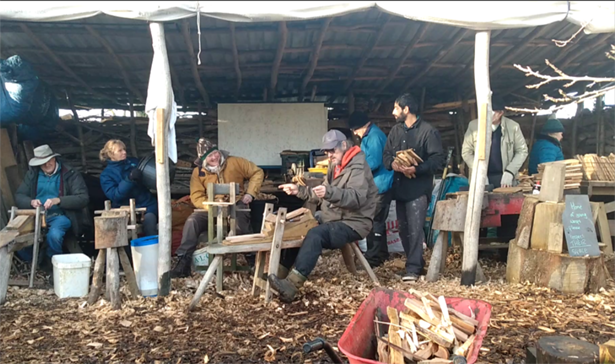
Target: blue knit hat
x,y
552,126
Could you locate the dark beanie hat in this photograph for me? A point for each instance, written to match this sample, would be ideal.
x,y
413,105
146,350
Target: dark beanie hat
x,y
552,126
357,119
497,104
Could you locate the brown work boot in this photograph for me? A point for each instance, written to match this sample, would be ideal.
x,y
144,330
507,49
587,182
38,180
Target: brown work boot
x,y
287,288
182,268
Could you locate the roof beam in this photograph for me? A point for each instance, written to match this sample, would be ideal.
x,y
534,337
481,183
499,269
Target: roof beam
x,y
59,62
419,34
235,58
441,54
192,59
517,49
282,35
367,51
118,61
314,57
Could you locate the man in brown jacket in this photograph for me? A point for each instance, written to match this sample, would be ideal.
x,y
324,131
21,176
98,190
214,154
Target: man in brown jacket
x,y
215,166
348,204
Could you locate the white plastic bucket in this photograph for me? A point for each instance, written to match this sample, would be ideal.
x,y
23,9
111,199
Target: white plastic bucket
x,y
200,259
145,262
71,275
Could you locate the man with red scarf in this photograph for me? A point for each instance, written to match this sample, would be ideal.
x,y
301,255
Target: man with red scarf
x,y
347,200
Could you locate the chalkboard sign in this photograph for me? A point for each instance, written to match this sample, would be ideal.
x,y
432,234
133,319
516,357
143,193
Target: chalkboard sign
x,y
579,227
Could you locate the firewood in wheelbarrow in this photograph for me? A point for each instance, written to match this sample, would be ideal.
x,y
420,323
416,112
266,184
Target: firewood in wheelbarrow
x,y
463,349
396,356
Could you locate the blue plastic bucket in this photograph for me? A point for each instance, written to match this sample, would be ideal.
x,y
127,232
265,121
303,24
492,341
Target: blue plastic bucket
x,y
145,263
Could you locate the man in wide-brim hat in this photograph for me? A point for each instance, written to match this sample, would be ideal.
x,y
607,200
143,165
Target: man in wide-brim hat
x,y
61,191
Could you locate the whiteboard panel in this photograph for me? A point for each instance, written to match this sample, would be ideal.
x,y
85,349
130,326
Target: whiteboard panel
x,y
260,132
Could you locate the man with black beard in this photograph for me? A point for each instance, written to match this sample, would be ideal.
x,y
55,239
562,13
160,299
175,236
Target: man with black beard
x,y
412,195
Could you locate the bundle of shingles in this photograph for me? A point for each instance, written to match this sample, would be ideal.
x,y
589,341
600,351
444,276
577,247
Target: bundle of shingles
x,y
427,331
526,183
574,173
598,168
408,158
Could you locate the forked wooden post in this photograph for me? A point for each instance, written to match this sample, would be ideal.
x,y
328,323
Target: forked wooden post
x,y
481,158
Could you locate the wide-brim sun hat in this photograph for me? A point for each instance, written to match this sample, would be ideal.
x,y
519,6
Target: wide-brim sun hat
x,y
42,155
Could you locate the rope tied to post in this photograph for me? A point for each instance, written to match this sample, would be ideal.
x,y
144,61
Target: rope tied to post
x,y
198,29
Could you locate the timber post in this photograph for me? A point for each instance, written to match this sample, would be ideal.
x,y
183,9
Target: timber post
x,y
163,185
481,159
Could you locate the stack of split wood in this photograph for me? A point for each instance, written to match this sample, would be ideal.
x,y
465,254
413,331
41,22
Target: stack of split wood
x,y
526,183
598,168
408,158
573,177
426,331
297,224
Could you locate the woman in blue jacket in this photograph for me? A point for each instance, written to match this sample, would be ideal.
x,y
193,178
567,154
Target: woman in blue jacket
x,y
121,181
547,148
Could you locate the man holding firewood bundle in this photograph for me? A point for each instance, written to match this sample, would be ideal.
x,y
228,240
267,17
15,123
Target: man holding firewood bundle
x,y
348,204
414,151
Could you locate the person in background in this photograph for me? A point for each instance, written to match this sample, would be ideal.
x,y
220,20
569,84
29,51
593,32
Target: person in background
x,y
121,181
508,147
347,200
215,166
547,147
412,195
373,141
61,190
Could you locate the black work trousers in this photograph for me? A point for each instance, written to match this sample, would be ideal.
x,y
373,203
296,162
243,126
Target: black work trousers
x,y
197,224
411,218
377,248
330,235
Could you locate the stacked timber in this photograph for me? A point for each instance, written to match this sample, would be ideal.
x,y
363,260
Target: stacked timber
x,y
573,176
426,331
554,246
408,158
598,168
526,183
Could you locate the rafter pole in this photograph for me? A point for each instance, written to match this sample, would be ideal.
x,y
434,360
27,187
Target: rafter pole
x,y
135,92
59,62
419,34
235,59
517,49
314,57
275,69
441,54
195,72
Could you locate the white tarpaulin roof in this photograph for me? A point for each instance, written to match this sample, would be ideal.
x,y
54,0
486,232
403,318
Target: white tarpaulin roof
x,y
476,15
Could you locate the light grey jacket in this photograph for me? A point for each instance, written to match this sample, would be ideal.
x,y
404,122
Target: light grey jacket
x,y
350,198
514,147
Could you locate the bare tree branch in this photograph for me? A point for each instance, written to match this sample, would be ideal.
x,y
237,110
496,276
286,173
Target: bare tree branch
x,y
562,77
578,99
561,43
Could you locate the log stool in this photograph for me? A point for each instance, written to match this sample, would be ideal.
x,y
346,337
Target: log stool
x,y
565,350
111,233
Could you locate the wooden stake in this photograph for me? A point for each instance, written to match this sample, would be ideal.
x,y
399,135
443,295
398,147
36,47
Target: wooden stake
x,y
479,173
113,278
97,278
163,186
133,131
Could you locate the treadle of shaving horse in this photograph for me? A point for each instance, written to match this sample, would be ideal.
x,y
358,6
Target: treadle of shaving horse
x,y
23,229
111,236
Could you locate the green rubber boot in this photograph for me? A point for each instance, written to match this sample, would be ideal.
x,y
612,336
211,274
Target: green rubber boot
x,y
287,288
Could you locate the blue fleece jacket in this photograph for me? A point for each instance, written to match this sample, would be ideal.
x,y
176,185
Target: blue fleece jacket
x,y
546,149
48,187
119,189
372,145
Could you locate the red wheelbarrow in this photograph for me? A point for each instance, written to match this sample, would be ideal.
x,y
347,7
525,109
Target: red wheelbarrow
x,y
359,340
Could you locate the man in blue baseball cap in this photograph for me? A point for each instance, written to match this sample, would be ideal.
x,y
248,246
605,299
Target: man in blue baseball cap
x,y
347,200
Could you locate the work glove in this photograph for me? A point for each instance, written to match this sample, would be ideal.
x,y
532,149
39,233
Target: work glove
x,y
135,175
507,179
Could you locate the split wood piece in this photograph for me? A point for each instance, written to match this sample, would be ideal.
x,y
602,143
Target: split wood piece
x,y
552,185
441,353
22,224
97,277
555,243
462,328
395,355
427,333
565,350
508,190
561,272
463,349
545,214
467,319
425,353
383,350
526,221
